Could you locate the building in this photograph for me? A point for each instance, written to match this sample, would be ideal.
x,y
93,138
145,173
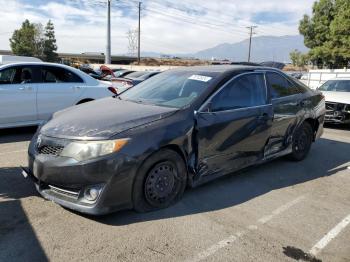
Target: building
x,y
91,58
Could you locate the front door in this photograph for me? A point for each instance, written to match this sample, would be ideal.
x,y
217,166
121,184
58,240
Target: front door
x,y
18,86
234,126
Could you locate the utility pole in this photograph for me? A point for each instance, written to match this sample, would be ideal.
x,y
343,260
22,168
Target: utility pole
x,y
108,46
139,37
251,33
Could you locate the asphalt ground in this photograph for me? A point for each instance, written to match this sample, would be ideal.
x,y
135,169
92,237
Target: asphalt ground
x,y
279,211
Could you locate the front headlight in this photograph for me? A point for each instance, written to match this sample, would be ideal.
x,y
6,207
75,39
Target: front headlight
x,y
85,150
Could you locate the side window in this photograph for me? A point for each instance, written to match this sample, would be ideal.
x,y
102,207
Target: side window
x,y
7,76
18,75
59,75
302,88
279,86
245,91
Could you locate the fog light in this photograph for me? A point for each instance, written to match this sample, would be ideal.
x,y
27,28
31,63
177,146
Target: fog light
x,y
92,193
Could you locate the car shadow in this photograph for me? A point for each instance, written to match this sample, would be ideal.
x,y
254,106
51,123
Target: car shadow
x,y
18,241
337,126
14,186
11,135
326,158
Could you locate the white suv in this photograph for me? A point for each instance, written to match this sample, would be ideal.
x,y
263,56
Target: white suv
x,y
31,92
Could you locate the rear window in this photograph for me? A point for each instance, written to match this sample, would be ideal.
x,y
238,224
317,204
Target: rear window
x,y
59,75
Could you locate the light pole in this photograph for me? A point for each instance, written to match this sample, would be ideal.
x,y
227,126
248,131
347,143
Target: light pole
x,y
108,46
251,28
139,37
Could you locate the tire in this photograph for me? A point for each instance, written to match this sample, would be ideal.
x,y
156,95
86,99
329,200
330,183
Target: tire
x,y
160,181
302,141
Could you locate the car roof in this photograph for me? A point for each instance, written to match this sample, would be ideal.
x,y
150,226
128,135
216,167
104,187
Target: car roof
x,y
35,63
224,68
88,79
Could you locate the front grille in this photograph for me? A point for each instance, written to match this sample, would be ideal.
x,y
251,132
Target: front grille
x,y
334,106
50,150
330,106
62,191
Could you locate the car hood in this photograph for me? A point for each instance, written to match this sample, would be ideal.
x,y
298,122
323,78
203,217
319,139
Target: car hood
x,y
337,97
102,119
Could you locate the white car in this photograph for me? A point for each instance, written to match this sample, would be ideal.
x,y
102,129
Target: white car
x,y
337,96
31,92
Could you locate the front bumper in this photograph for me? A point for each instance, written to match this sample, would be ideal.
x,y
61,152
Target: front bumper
x,y
338,117
65,181
337,113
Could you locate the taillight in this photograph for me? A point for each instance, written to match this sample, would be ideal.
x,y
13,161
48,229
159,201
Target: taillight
x,y
113,90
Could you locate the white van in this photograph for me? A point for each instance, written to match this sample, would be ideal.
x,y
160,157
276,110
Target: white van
x,y
9,59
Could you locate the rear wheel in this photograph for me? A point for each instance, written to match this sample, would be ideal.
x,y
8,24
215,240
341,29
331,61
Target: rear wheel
x,y
160,182
302,141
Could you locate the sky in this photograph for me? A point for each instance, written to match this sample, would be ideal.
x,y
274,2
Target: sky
x,y
167,26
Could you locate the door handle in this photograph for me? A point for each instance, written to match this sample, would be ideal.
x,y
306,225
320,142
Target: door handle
x,y
305,102
263,117
23,88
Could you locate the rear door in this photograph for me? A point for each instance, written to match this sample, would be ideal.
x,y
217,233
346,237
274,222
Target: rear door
x,y
234,126
285,98
18,87
60,88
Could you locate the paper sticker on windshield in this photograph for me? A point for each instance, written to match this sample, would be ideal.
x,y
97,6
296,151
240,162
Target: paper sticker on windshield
x,y
200,78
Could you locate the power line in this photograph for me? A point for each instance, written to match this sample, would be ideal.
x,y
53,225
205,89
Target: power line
x,y
211,22
190,21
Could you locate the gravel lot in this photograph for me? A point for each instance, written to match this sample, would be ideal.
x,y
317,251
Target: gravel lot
x,y
280,211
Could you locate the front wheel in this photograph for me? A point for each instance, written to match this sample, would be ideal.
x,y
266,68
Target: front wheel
x,y
302,141
160,182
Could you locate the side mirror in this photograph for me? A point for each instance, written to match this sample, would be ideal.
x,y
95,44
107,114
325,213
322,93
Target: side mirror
x,y
207,108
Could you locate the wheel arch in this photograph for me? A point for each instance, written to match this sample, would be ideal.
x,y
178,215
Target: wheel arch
x,y
314,123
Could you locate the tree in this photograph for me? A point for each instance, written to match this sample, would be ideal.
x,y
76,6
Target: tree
x,y
326,33
50,47
340,32
23,41
32,40
298,59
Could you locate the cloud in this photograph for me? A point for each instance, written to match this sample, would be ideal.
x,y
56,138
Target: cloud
x,y
167,26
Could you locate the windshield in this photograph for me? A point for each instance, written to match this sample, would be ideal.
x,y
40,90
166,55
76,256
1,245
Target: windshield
x,y
336,86
171,88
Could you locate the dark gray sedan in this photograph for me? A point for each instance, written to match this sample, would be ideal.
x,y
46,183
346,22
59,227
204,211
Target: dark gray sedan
x,y
183,127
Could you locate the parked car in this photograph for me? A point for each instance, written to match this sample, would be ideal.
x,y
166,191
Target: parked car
x,y
132,79
31,92
296,75
337,94
121,73
97,74
182,127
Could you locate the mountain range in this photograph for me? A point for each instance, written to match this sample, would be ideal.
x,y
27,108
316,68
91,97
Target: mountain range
x,y
264,48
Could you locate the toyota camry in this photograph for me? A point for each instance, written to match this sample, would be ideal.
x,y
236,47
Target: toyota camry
x,y
179,129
